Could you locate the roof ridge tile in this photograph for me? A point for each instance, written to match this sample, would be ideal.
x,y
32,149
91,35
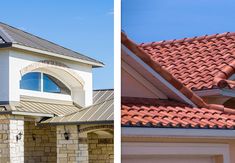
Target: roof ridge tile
x,y
188,39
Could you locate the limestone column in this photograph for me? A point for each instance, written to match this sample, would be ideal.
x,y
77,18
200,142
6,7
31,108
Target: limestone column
x,y
11,139
67,149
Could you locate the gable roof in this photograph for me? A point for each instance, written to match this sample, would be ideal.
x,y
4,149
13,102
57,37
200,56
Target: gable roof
x,y
13,37
199,62
162,71
139,114
142,112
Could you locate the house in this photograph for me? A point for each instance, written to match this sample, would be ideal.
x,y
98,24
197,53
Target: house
x,y
49,111
178,100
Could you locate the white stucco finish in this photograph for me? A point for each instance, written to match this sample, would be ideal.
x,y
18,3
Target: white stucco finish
x,y
13,61
4,73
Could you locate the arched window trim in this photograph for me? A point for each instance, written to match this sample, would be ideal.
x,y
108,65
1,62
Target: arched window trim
x,y
42,83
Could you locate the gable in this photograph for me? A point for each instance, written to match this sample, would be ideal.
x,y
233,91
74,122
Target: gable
x,y
156,79
132,86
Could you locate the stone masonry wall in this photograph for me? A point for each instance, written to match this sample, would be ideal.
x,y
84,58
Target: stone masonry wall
x,y
83,150
11,149
100,149
40,143
16,146
4,142
67,150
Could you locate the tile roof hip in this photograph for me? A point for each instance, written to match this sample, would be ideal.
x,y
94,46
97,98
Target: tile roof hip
x,y
221,78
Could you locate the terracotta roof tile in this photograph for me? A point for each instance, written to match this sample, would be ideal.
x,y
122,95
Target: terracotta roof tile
x,y
146,112
203,62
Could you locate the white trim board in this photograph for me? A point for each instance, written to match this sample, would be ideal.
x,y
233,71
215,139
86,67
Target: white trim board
x,y
156,75
216,92
180,149
177,133
56,55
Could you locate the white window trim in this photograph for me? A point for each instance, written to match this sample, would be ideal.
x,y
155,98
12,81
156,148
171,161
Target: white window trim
x,y
183,149
47,95
42,94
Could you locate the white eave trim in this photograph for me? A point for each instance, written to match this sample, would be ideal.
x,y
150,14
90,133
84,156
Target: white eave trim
x,y
56,55
159,77
177,133
216,92
32,114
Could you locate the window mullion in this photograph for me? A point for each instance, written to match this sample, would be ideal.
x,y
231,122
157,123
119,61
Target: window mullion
x,y
42,82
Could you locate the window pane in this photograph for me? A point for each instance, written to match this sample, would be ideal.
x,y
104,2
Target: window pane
x,y
49,85
31,81
53,85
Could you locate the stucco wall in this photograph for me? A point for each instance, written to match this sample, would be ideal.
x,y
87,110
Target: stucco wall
x,y
4,73
17,60
39,143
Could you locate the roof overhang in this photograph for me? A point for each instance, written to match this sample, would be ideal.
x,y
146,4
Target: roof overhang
x,y
177,133
130,57
22,47
78,122
216,92
27,114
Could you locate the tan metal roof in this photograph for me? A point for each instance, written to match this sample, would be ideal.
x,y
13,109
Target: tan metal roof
x,y
48,108
102,95
44,107
100,112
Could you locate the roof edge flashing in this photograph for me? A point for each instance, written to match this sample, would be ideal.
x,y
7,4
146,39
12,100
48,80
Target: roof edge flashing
x,y
31,49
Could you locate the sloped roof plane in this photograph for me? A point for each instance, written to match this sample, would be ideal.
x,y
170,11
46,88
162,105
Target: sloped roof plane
x,y
141,112
197,62
13,37
100,112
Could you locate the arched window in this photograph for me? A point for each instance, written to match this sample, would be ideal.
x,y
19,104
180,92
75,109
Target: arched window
x,y
37,81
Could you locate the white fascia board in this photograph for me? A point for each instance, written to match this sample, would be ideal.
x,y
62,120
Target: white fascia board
x,y
216,92
228,92
32,114
212,92
56,55
177,133
156,75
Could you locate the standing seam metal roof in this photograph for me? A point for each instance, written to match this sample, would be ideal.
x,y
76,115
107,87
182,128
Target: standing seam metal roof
x,y
100,111
10,35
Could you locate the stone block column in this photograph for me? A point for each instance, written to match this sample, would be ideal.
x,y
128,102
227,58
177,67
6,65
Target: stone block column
x,y
67,150
11,148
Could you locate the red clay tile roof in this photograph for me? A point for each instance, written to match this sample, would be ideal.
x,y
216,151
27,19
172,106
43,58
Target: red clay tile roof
x,y
141,112
162,71
204,62
153,63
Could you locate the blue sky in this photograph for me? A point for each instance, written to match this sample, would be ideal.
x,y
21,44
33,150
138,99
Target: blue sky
x,y
85,26
155,20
